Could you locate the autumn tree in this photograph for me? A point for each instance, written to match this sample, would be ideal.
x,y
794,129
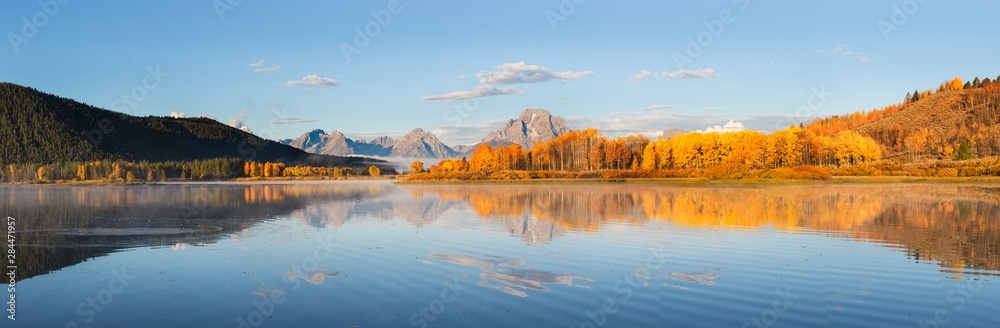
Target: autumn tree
x,y
851,148
374,171
417,166
649,158
483,159
916,143
81,172
955,84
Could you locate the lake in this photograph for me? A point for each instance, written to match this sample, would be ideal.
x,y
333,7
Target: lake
x,y
379,254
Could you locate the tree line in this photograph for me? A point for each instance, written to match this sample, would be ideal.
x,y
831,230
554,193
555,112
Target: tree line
x,y
590,150
119,171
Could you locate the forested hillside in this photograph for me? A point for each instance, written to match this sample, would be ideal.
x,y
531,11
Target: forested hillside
x,y
42,128
958,120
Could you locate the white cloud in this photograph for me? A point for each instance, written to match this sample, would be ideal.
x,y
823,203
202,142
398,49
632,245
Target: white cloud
x,y
713,108
731,126
239,121
178,115
258,63
658,107
477,92
707,73
506,74
513,73
313,81
642,76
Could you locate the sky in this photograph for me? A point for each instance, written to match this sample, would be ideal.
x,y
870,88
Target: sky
x,y
462,68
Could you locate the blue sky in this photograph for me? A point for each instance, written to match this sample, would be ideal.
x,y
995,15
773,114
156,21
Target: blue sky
x,y
280,67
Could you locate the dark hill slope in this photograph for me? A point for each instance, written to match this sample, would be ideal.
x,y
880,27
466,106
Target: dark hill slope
x,y
37,127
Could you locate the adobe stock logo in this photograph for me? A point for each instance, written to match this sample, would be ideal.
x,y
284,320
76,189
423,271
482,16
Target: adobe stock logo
x,y
31,27
363,36
900,16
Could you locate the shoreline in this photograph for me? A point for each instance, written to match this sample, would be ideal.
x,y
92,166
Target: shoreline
x,y
689,181
654,181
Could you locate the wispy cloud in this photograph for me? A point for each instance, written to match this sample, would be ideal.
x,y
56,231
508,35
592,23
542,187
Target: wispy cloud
x,y
713,108
258,67
283,121
841,51
268,70
645,75
658,107
707,73
508,74
313,81
477,92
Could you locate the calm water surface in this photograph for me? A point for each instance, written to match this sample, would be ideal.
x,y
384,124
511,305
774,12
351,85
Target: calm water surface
x,y
377,254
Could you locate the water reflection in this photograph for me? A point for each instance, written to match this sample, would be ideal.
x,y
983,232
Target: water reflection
x,y
315,278
955,225
60,226
509,275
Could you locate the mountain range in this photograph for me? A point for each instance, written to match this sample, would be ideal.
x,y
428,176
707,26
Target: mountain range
x,y
532,126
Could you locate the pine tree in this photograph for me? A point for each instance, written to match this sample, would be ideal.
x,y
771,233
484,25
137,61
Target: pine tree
x,y
964,151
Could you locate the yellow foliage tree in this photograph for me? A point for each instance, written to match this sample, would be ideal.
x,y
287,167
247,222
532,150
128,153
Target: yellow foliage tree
x,y
417,166
483,159
81,172
955,84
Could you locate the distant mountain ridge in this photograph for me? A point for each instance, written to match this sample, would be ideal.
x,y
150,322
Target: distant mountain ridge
x,y
43,128
415,144
337,144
